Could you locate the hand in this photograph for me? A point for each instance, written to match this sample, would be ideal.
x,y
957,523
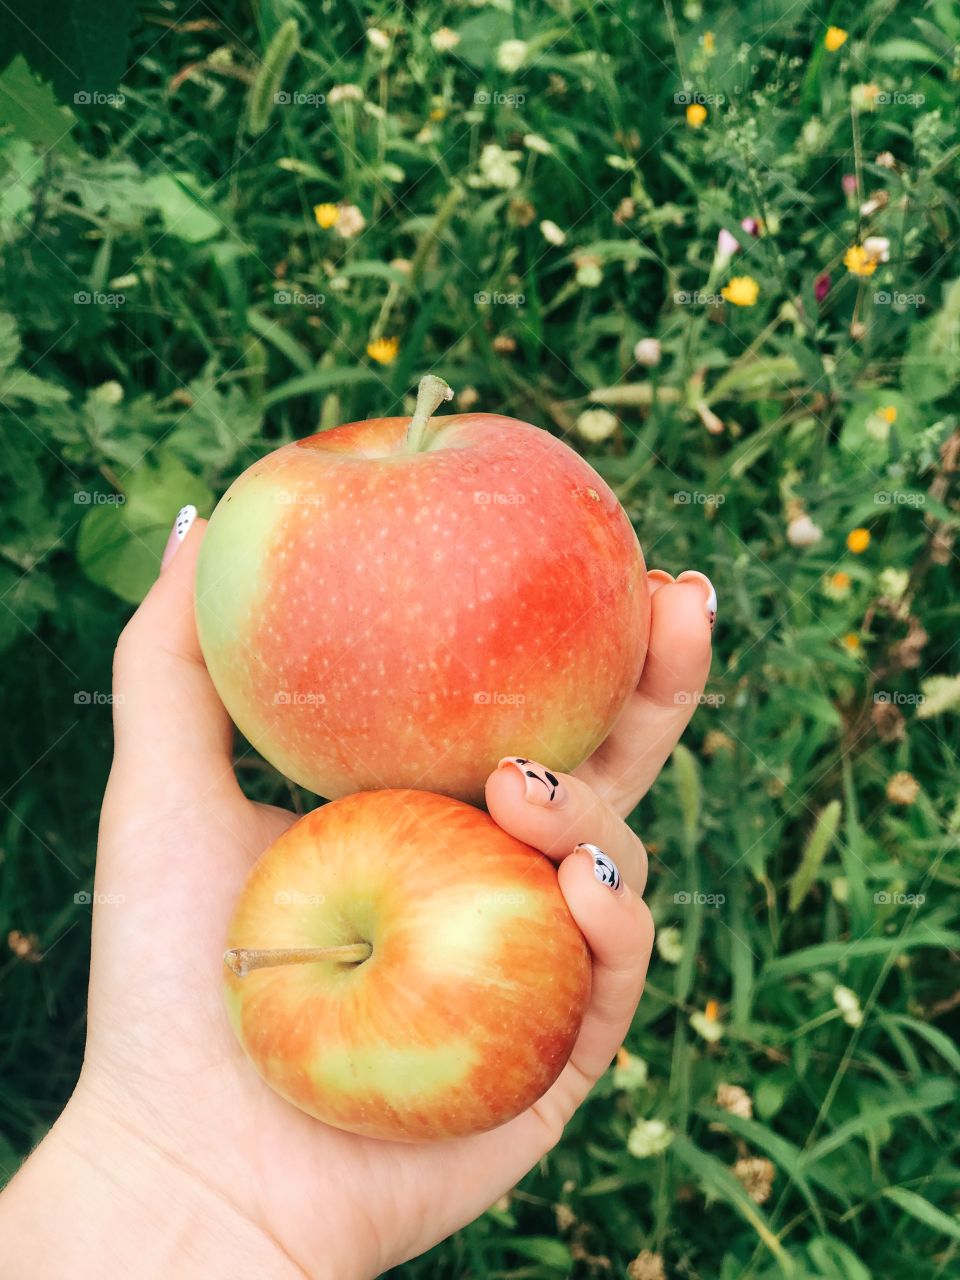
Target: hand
x,y
173,1157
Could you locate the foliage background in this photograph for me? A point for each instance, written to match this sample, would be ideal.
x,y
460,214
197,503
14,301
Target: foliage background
x,y
176,196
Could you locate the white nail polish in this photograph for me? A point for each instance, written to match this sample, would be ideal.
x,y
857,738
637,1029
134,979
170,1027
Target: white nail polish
x,y
604,867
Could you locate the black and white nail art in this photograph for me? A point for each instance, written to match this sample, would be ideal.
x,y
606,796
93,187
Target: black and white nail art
x,y
604,867
543,787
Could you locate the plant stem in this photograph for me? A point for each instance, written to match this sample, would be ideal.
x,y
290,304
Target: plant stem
x,y
431,392
243,960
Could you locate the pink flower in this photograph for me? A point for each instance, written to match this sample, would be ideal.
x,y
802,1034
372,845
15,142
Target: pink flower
x,y
821,286
727,244
849,184
751,226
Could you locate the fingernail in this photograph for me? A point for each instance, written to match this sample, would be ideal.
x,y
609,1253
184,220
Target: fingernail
x,y
657,578
181,527
604,867
543,787
692,575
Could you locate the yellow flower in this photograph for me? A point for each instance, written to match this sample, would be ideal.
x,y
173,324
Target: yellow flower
x,y
437,113
837,586
888,413
851,641
709,44
742,291
835,37
859,262
326,214
696,114
858,540
383,350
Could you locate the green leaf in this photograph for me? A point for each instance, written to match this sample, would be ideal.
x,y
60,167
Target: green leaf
x,y
81,46
686,779
120,544
184,213
321,380
267,89
931,367
904,50
552,1253
947,1224
828,954
815,850
33,112
928,1095
717,1181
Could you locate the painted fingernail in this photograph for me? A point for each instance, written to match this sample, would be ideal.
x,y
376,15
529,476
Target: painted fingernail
x,y
181,527
543,787
657,578
604,867
693,575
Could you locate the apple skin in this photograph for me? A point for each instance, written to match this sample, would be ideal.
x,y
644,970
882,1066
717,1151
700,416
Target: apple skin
x,y
375,618
469,1005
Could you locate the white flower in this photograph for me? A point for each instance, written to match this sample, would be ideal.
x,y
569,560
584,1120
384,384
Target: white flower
x,y
344,93
878,248
511,55
670,944
109,392
648,352
350,222
551,232
378,38
802,532
711,1028
894,583
848,1002
736,1100
596,425
533,142
589,275
648,1138
630,1072
443,39
499,167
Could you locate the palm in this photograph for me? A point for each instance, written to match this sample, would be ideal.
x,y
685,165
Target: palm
x,y
177,840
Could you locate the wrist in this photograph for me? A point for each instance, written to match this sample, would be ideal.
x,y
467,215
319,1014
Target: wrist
x,y
96,1199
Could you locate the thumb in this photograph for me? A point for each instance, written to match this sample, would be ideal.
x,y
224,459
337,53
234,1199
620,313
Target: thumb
x,y
173,737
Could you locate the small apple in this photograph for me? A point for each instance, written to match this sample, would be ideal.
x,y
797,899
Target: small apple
x,y
402,602
401,967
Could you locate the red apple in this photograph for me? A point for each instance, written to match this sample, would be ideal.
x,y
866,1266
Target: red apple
x,y
456,979
402,602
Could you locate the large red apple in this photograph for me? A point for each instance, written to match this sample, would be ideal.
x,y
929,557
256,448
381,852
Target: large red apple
x,y
402,602
457,981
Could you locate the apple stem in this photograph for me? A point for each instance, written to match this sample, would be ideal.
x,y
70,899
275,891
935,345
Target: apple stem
x,y
431,393
243,960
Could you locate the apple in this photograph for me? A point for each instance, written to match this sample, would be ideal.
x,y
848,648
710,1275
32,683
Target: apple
x,y
401,967
404,601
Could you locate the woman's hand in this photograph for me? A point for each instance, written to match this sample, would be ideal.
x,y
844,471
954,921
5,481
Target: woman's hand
x,y
173,1157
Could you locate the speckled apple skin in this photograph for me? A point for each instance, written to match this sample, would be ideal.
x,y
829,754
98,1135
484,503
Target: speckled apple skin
x,y
467,1009
373,618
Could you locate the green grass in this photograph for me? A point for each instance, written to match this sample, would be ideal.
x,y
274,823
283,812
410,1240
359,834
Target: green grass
x,y
186,209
